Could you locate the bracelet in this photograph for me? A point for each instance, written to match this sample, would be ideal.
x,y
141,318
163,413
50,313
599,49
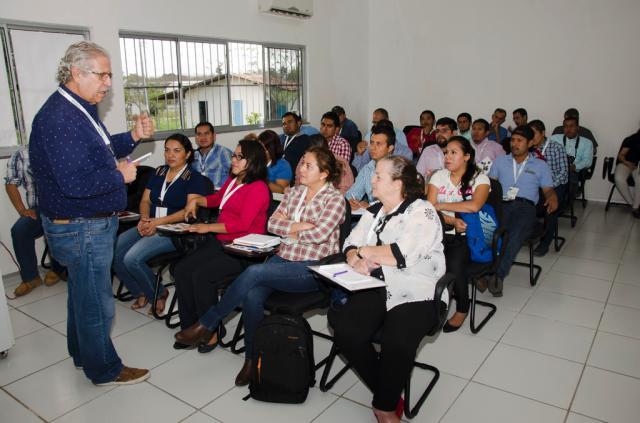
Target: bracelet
x,y
358,253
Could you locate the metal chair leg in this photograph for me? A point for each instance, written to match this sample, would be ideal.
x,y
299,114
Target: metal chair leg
x,y
326,384
534,269
472,312
44,257
409,411
170,313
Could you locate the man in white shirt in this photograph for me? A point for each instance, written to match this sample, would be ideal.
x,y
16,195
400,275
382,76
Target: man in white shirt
x,y
486,151
432,157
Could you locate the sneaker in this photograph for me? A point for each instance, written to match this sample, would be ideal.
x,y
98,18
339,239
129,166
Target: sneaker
x,y
25,287
128,376
51,278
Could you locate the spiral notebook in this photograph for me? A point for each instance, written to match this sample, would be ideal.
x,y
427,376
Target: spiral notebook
x,y
345,276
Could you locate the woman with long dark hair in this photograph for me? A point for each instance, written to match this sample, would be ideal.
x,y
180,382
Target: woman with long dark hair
x,y
279,174
163,201
458,188
243,202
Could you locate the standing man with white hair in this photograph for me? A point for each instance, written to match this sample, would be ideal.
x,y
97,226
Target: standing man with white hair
x,y
81,187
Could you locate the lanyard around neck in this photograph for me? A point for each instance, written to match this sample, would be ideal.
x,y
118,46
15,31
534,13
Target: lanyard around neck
x,y
288,140
229,192
97,127
546,144
297,213
484,143
166,186
203,160
516,175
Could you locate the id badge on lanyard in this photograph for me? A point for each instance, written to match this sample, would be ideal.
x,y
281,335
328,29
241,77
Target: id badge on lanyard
x,y
229,192
162,211
512,192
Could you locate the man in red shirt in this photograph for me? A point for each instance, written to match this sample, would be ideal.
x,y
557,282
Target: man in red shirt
x,y
419,138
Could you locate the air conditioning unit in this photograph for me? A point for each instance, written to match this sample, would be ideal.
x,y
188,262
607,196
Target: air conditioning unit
x,y
292,8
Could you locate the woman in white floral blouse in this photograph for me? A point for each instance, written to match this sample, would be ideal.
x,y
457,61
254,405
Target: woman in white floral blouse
x,y
398,240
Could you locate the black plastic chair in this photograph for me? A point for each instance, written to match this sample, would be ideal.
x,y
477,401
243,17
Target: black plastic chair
x,y
540,228
608,172
296,304
445,282
476,271
408,128
583,176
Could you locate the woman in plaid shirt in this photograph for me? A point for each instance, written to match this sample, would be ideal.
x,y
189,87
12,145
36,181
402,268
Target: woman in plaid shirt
x,y
308,220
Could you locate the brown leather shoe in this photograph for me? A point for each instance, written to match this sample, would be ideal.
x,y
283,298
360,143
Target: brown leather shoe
x,y
244,376
128,376
25,287
51,278
194,335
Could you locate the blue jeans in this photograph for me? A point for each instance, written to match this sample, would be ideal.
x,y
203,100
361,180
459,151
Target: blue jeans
x,y
85,247
519,220
254,286
24,234
130,260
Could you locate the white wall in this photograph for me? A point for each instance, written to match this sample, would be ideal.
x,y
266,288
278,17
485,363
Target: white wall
x,y
335,41
406,55
544,55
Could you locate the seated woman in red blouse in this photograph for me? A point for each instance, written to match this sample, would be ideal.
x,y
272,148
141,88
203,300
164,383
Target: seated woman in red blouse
x,y
308,220
243,201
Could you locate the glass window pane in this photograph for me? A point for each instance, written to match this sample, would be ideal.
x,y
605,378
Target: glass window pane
x,y
284,84
150,75
203,68
246,84
34,51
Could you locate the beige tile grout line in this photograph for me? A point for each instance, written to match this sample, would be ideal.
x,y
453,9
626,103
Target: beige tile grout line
x,y
584,367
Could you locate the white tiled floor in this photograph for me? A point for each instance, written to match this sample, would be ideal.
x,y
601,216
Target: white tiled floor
x,y
566,350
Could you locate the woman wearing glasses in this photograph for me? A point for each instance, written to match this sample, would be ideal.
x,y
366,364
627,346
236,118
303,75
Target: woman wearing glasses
x,y
243,201
308,220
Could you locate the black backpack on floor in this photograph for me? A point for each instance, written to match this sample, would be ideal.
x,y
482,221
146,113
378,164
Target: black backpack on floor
x,y
283,366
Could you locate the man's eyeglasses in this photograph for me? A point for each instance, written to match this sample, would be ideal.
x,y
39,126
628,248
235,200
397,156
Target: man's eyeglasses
x,y
102,76
238,157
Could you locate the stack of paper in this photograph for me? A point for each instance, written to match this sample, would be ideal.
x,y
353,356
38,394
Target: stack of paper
x,y
258,241
345,276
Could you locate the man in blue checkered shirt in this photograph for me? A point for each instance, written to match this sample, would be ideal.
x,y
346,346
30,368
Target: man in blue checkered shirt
x,y
28,227
556,157
210,159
